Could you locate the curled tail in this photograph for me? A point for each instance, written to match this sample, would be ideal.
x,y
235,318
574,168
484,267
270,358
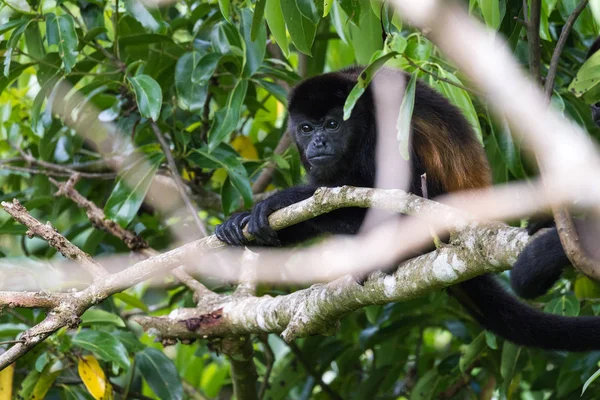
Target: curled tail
x,y
503,314
539,265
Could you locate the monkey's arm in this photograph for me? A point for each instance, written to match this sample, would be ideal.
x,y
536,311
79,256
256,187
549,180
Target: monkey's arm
x,y
231,231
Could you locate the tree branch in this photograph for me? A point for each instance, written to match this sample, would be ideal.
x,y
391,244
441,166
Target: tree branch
x,y
564,34
533,37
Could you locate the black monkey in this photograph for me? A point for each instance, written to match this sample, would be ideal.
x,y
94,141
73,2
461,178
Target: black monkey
x,y
336,152
542,262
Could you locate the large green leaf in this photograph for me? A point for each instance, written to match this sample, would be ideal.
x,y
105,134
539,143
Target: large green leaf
x,y
191,95
149,18
227,119
97,316
160,374
103,345
125,200
60,30
491,12
566,305
301,29
12,43
366,37
276,22
148,95
508,366
587,77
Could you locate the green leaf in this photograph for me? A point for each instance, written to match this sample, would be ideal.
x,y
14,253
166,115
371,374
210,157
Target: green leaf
x,y
148,95
255,48
160,374
491,13
276,22
125,200
275,89
131,300
566,305
103,345
33,40
257,19
129,340
587,77
19,5
585,288
302,30
508,365
589,381
230,115
97,316
365,77
228,159
224,6
491,341
12,24
366,37
61,31
308,10
191,95
508,149
425,387
12,43
405,117
149,18
472,351
230,197
327,7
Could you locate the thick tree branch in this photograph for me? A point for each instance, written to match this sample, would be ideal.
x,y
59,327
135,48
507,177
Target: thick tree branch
x,y
533,38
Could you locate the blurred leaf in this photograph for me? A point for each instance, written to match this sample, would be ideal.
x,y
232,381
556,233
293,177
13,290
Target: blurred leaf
x,y
472,351
60,31
129,340
508,365
230,115
426,386
104,345
566,305
508,149
33,40
491,13
257,19
589,381
160,374
149,18
366,37
125,201
224,6
19,5
244,146
148,95
587,77
97,316
12,43
585,288
131,300
327,7
93,378
302,30
44,383
230,197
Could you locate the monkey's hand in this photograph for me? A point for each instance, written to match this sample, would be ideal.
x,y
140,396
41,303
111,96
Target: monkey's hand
x,y
232,230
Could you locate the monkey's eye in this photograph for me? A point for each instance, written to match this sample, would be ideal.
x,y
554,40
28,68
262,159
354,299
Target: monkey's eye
x,y
306,128
332,125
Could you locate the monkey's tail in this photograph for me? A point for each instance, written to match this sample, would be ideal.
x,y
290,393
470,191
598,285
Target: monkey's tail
x,y
503,314
539,265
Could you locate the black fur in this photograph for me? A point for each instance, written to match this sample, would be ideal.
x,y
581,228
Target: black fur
x,y
318,98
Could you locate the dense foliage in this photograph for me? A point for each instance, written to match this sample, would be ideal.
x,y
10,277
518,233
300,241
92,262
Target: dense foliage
x,y
213,75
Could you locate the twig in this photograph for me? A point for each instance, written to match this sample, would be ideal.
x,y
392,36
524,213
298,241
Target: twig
x,y
564,34
96,215
54,239
270,361
266,175
311,371
533,37
32,299
177,178
192,391
89,175
439,78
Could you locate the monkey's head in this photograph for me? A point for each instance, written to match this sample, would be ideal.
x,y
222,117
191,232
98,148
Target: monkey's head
x,y
326,142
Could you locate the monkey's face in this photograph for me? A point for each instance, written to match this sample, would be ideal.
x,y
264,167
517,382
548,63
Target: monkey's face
x,y
323,142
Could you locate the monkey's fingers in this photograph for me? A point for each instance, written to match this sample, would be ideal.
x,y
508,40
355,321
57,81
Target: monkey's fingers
x,y
232,230
259,226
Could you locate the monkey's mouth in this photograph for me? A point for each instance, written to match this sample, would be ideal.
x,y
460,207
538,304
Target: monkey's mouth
x,y
323,160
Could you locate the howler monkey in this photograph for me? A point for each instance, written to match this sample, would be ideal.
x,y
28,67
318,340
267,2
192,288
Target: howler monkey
x,y
337,152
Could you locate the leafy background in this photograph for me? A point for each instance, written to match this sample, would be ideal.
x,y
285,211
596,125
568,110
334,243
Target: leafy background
x,y
214,76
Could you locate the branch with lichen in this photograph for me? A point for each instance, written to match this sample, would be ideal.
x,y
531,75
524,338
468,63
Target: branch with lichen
x,y
475,250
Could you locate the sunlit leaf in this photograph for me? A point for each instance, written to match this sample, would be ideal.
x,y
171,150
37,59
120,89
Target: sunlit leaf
x,y
302,30
93,378
274,17
6,382
405,117
97,316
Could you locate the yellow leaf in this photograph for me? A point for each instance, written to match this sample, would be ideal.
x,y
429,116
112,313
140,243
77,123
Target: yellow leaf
x,y
244,146
94,379
6,382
